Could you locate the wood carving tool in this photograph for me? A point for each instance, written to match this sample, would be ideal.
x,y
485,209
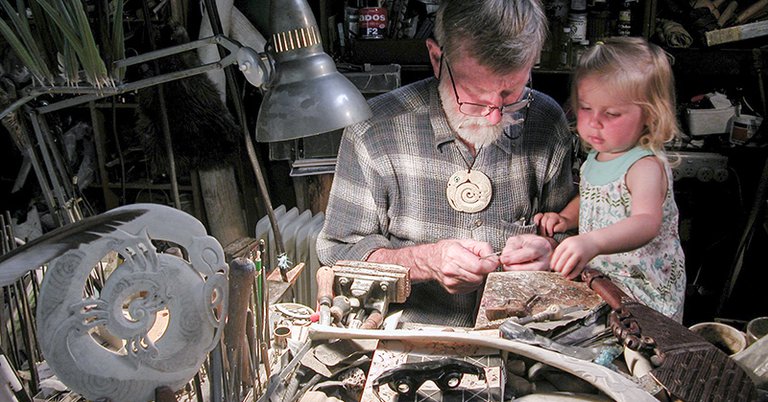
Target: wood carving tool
x,y
553,312
727,13
490,255
341,307
686,365
511,308
751,11
242,272
373,321
325,278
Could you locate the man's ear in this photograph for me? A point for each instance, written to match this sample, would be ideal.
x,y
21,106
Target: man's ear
x,y
435,53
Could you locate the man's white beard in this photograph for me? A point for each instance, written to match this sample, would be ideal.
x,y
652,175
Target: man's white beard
x,y
477,131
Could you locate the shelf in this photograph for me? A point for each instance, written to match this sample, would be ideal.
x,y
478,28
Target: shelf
x,y
142,185
737,33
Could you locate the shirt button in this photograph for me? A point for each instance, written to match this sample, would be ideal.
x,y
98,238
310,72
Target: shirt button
x,y
478,223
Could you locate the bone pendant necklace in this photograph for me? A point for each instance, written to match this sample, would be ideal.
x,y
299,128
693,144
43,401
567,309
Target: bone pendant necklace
x,y
469,190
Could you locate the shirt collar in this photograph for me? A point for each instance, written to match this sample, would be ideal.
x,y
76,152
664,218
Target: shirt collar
x,y
440,126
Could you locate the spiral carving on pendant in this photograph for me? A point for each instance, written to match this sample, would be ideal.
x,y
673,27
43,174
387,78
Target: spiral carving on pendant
x,y
469,191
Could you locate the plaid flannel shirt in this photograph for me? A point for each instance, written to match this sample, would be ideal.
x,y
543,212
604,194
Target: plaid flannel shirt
x,y
389,190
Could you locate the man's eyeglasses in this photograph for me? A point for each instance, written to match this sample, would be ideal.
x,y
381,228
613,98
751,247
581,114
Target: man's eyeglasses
x,y
480,110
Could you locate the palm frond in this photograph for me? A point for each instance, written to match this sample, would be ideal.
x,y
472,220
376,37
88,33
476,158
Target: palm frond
x,y
69,66
22,52
43,29
72,21
118,40
24,43
93,64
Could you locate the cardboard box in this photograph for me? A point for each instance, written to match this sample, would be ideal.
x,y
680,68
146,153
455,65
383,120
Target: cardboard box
x,y
709,121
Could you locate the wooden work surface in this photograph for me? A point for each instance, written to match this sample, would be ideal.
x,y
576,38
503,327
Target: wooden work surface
x,y
551,287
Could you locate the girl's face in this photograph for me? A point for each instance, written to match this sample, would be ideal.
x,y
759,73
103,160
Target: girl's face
x,y
609,122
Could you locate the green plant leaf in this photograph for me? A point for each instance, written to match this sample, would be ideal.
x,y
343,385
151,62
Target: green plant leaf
x,y
25,39
22,52
93,63
118,40
72,21
43,29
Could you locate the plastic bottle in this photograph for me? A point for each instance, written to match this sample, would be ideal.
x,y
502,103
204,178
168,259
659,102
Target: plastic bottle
x,y
578,50
565,49
598,21
624,27
577,20
351,19
557,14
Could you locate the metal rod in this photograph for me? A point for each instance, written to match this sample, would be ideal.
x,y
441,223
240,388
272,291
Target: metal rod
x,y
63,176
3,319
34,351
164,118
215,374
27,332
57,187
250,325
45,187
98,93
198,387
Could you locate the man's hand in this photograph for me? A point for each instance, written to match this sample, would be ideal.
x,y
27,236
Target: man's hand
x,y
456,264
527,252
550,223
572,255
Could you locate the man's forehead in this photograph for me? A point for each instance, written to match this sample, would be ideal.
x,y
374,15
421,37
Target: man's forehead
x,y
474,75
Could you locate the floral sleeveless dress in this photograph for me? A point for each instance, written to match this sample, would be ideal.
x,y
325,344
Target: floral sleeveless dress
x,y
655,273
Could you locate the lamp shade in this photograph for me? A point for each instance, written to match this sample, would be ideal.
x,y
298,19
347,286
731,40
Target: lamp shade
x,y
305,95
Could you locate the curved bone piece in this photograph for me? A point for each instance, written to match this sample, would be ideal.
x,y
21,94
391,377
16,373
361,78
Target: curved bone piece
x,y
611,383
146,288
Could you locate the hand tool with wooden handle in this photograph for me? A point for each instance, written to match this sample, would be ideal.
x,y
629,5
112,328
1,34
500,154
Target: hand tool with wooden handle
x,y
341,307
727,13
325,278
374,321
242,273
751,11
689,367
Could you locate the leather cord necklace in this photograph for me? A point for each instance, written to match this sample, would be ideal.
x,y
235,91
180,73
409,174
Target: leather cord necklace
x,y
469,190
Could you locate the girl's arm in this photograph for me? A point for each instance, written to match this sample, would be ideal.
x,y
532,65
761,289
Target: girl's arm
x,y
647,182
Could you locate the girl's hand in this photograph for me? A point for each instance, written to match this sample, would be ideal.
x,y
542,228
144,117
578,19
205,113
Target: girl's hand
x,y
550,223
570,257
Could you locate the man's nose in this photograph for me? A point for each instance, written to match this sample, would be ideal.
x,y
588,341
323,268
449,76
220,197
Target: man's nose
x,y
494,117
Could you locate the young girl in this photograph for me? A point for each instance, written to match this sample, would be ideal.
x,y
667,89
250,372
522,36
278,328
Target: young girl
x,y
623,92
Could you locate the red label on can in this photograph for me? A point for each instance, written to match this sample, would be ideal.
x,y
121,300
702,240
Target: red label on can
x,y
373,22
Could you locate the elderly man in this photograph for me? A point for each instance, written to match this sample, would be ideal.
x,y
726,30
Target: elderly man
x,y
451,169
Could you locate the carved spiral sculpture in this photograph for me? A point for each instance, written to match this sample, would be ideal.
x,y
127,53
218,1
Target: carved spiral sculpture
x,y
469,191
194,294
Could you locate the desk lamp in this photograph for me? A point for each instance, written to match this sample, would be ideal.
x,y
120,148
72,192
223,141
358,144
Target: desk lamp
x,y
304,93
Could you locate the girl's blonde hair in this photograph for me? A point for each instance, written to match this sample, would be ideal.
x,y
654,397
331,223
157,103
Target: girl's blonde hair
x,y
640,71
